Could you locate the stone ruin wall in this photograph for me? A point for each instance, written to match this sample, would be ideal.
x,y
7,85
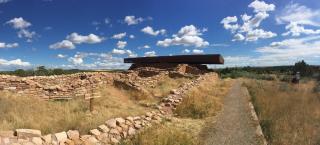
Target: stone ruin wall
x,y
113,130
57,87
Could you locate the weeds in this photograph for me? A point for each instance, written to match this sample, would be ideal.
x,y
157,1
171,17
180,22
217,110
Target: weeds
x,y
289,114
56,116
161,135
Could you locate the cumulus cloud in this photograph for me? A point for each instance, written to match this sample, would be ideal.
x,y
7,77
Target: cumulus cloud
x,y
63,44
297,17
19,23
123,51
197,51
77,59
61,56
150,53
121,44
132,20
119,36
75,38
249,30
227,23
261,6
187,36
8,45
13,64
149,30
132,36
285,52
22,26
79,39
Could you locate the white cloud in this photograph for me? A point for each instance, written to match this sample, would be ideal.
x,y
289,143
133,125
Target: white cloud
x,y
119,51
23,33
123,51
63,44
77,59
4,1
249,30
19,23
299,14
75,38
197,51
8,45
187,36
297,17
61,56
296,30
132,36
226,23
238,37
121,44
150,53
119,36
256,34
22,25
149,30
132,20
79,39
4,64
185,51
285,52
144,47
261,6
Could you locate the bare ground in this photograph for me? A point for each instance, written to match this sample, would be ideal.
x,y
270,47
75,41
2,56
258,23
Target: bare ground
x,y
233,125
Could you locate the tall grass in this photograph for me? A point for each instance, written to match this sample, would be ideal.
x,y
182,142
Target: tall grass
x,y
162,135
164,86
289,114
56,116
203,101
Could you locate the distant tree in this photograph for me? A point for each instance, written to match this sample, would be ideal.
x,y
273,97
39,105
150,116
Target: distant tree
x,y
41,71
303,68
58,71
20,72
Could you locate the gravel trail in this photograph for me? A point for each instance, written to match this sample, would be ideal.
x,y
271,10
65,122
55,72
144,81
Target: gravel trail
x,y
234,124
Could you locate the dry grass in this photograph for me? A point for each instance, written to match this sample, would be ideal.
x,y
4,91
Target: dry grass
x,y
289,114
164,86
162,135
55,116
205,100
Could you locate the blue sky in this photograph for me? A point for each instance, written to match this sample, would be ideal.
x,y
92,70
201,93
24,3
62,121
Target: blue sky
x,y
98,34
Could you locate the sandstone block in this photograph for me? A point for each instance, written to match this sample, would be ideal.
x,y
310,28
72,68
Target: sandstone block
x,y
112,123
131,131
120,121
47,139
37,140
95,132
61,137
73,134
27,133
103,128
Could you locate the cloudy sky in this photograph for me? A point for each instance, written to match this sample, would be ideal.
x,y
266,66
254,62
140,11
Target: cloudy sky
x,y
98,34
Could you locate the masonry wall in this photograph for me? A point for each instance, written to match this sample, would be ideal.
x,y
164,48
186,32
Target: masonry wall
x,y
57,87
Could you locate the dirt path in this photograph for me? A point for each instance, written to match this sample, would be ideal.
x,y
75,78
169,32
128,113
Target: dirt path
x,y
233,125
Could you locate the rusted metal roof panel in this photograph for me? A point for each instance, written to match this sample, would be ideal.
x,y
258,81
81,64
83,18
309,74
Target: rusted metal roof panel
x,y
181,59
